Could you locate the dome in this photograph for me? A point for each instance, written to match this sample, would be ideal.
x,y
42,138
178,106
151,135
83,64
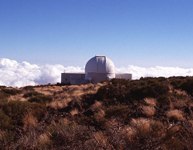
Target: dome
x,y
99,68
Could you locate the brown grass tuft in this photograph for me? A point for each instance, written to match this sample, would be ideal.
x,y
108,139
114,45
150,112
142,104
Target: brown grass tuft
x,y
29,121
65,121
191,122
57,104
149,111
129,133
177,115
150,101
74,112
44,139
99,115
141,125
97,105
2,135
111,123
100,138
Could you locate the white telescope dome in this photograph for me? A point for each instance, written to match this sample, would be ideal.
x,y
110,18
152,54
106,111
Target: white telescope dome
x,y
99,68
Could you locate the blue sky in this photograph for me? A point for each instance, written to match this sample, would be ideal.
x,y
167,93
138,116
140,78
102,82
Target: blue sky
x,y
69,32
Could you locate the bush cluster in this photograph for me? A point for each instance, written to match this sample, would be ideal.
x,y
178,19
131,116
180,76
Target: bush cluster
x,y
12,113
183,83
120,91
37,97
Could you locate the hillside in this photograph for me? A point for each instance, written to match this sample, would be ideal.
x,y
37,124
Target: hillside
x,y
150,113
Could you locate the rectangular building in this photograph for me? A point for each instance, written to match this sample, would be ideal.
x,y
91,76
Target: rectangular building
x,y
126,76
73,78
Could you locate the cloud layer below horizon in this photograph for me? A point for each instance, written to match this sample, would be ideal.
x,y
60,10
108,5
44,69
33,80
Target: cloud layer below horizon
x,y
18,74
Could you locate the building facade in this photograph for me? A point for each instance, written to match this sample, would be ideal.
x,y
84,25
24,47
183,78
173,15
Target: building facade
x,y
97,69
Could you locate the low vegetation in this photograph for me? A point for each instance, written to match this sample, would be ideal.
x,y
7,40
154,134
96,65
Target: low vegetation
x,y
150,113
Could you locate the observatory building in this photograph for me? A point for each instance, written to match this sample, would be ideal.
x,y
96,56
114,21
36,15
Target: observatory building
x,y
97,69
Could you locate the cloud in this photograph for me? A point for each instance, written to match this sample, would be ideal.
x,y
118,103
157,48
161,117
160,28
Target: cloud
x,y
13,73
156,71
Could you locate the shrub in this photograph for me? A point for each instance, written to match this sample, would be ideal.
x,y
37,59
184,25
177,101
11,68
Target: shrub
x,y
124,91
44,141
31,94
183,83
29,88
175,115
66,135
37,97
17,110
3,95
29,121
11,91
176,82
3,101
188,86
117,111
148,87
40,99
5,121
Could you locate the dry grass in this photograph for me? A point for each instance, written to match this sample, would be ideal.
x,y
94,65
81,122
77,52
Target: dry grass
x,y
18,97
191,122
141,125
97,105
150,101
44,139
129,133
111,123
48,90
99,115
180,103
180,92
29,121
74,112
65,121
101,139
65,94
58,104
117,116
148,111
175,115
2,135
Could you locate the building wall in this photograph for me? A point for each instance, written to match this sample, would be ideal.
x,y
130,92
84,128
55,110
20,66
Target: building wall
x,y
126,76
98,77
80,78
73,78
